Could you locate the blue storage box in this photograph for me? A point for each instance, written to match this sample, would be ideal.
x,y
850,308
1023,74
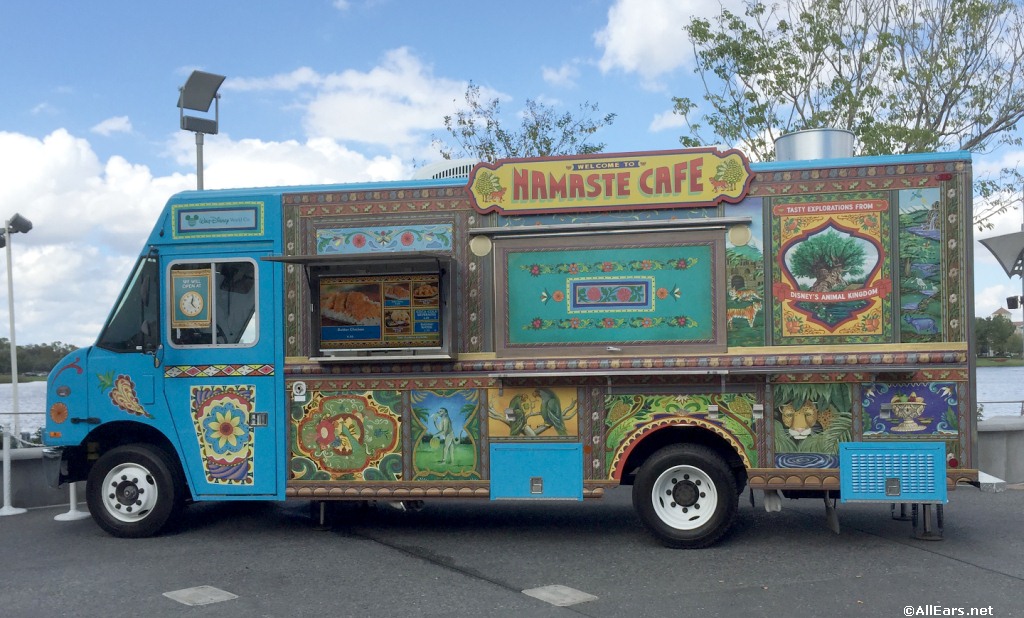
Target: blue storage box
x,y
893,472
536,470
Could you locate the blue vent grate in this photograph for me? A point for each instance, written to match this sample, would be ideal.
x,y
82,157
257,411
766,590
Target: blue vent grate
x,y
893,472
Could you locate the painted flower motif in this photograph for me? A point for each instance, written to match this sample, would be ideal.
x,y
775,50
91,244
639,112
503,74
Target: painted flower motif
x,y
871,324
608,323
359,241
557,296
574,323
407,238
647,323
682,264
593,294
954,324
623,294
607,267
325,433
535,270
793,326
662,293
681,320
646,265
574,269
58,412
537,323
224,428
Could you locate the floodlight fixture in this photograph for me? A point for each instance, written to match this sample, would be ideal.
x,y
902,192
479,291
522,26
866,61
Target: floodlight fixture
x,y
199,91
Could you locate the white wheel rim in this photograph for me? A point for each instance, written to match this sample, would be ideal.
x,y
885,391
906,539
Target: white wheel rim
x,y
129,492
684,497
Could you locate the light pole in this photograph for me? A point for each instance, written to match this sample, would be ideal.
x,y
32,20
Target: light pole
x,y
15,224
199,91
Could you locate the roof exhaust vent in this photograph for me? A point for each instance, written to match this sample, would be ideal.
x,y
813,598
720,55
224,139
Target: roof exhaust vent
x,y
814,144
458,168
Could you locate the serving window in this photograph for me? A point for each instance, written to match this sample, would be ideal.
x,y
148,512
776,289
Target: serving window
x,y
378,307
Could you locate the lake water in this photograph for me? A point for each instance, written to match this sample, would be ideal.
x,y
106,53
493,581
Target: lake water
x,y
994,384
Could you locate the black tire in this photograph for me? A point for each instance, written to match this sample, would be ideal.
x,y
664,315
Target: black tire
x,y
686,496
134,490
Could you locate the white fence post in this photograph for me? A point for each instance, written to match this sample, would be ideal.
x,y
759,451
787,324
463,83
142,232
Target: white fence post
x,y
73,512
7,508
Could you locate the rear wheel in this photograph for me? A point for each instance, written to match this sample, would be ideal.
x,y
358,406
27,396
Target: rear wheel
x,y
133,490
686,496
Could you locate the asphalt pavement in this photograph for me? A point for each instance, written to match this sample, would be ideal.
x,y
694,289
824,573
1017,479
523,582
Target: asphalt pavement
x,y
470,558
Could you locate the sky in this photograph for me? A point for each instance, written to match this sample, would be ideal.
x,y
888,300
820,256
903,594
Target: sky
x,y
317,91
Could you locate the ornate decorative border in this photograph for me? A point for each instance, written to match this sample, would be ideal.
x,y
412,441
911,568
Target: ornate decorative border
x,y
827,478
218,371
405,491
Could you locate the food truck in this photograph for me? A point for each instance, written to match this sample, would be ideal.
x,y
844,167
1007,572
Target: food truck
x,y
685,322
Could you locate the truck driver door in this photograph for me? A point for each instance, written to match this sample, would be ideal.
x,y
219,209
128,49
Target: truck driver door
x,y
219,372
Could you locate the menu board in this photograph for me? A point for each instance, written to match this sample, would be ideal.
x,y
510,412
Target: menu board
x,y
379,311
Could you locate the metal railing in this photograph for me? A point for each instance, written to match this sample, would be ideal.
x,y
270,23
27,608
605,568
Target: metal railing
x,y
19,440
1018,403
7,509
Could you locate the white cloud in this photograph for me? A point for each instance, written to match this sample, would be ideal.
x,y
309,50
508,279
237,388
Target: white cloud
x,y
990,298
394,105
255,163
91,218
44,109
117,124
565,75
293,80
666,120
647,37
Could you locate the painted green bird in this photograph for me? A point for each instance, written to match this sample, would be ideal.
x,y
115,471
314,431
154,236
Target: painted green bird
x,y
551,410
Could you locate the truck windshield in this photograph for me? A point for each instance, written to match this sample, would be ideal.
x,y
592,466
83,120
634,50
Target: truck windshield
x,y
134,320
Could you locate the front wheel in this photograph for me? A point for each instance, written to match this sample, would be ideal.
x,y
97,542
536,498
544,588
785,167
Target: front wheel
x,y
133,491
686,496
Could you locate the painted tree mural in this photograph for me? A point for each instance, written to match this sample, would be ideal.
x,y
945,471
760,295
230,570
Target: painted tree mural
x,y
828,259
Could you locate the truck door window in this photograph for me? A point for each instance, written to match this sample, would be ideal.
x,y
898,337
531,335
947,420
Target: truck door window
x,y
133,323
213,304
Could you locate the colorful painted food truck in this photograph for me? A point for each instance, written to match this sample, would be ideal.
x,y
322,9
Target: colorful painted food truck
x,y
684,322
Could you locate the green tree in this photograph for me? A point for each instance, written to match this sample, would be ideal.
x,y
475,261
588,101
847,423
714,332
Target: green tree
x,y
478,131
983,335
997,334
902,76
33,358
828,259
1000,332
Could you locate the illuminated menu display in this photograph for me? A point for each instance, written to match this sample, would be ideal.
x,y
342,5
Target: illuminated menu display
x,y
379,311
